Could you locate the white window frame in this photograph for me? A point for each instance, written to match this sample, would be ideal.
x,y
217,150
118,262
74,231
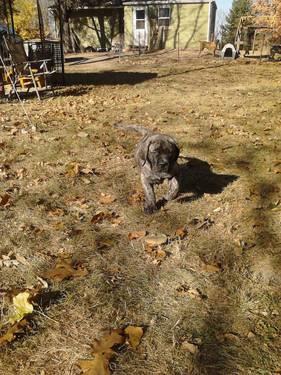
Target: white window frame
x,y
164,18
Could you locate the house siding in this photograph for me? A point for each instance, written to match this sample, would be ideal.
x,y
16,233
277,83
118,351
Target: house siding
x,y
128,27
188,24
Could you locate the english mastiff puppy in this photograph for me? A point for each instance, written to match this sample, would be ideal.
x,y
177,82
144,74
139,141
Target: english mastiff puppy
x,y
156,156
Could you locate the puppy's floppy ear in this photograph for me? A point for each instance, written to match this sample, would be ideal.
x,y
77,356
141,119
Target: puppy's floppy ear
x,y
175,146
143,152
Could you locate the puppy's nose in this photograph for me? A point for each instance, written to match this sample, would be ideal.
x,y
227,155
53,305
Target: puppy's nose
x,y
163,163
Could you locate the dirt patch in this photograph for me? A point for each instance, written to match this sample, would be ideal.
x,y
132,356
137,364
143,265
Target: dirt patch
x,y
216,290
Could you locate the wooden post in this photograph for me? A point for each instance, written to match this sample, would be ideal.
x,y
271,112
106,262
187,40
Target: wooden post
x,y
263,39
139,45
254,42
41,28
12,17
178,46
6,13
61,41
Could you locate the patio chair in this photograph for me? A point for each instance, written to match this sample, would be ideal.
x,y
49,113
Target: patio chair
x,y
20,72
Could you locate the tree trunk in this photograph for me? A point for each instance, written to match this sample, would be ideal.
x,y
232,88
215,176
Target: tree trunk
x,y
102,32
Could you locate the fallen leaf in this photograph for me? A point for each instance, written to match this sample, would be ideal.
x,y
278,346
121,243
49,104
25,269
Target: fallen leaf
x,y
156,239
156,252
106,343
99,365
106,199
207,223
160,254
43,282
86,180
10,335
64,269
185,290
22,260
104,349
82,135
210,268
250,335
231,337
100,216
115,221
136,235
181,232
56,212
88,170
134,335
136,198
21,307
189,347
72,170
5,199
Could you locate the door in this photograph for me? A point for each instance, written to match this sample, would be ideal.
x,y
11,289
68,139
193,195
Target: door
x,y
140,26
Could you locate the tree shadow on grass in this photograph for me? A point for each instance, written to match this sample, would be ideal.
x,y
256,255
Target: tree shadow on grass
x,y
251,279
108,78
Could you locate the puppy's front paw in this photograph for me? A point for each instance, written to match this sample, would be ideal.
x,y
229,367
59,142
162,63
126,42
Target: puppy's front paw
x,y
149,209
161,203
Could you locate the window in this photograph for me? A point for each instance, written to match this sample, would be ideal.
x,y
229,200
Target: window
x,y
140,19
164,16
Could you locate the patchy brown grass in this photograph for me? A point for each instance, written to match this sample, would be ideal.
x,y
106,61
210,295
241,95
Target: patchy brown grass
x,y
226,117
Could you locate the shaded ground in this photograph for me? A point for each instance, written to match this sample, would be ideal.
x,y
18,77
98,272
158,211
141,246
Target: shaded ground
x,y
226,118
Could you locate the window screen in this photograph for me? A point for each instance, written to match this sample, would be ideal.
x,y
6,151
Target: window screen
x,y
140,19
164,17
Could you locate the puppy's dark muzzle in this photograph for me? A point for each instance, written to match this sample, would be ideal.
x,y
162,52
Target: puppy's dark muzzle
x,y
163,165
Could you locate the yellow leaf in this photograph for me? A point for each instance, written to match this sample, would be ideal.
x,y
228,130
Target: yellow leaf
x,y
21,307
134,335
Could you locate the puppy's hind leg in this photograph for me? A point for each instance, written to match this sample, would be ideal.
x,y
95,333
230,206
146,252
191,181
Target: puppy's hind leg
x,y
150,200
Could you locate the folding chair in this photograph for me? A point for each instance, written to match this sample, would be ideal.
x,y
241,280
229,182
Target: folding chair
x,y
23,73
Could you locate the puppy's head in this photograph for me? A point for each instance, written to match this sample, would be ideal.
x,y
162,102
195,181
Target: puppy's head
x,y
161,152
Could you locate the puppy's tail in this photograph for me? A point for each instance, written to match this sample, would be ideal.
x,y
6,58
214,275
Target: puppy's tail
x,y
139,129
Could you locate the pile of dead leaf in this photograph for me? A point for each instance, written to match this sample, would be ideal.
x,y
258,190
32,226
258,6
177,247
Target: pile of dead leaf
x,y
105,349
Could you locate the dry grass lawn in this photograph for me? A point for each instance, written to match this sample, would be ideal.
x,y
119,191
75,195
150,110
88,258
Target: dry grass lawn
x,y
218,288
